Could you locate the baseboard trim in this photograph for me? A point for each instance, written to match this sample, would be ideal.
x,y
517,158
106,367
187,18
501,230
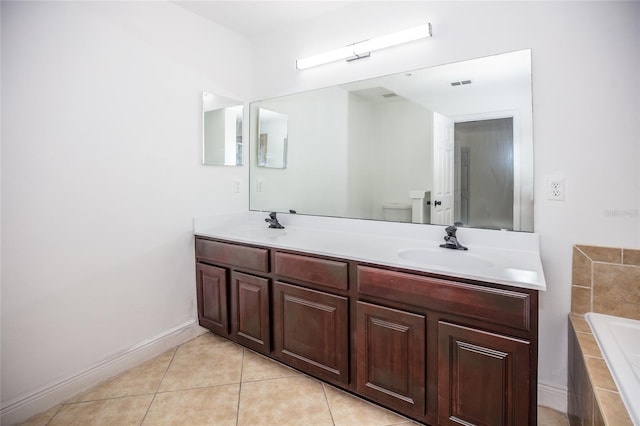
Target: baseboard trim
x,y
21,408
552,397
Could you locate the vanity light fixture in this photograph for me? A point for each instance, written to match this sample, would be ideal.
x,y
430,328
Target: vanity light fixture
x,y
363,49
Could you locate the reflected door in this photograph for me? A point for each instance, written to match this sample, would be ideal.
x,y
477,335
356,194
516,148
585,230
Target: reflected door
x,y
442,196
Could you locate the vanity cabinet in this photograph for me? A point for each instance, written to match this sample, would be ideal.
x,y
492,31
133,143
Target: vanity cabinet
x,y
441,350
234,292
391,357
250,317
477,368
311,331
473,362
212,289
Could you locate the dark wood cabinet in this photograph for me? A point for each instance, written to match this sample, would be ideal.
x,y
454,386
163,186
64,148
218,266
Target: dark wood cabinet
x,y
441,350
212,289
391,357
311,331
483,378
250,313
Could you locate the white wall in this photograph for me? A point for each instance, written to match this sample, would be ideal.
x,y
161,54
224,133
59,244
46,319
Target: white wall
x,y
101,177
403,135
586,105
311,150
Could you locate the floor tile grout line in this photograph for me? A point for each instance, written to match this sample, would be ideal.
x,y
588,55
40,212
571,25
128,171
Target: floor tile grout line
x,y
146,413
240,386
326,398
55,414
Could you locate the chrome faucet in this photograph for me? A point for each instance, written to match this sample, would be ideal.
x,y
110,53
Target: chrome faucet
x,y
451,241
272,220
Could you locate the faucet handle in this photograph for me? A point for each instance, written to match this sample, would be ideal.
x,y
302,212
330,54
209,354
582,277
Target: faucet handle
x,y
451,230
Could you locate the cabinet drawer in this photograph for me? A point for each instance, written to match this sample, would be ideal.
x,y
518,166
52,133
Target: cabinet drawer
x,y
497,306
253,258
327,273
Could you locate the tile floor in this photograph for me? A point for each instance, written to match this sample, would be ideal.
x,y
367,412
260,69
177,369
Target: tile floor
x,y
211,381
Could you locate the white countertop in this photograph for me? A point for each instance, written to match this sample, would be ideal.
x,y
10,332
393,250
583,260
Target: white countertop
x,y
500,257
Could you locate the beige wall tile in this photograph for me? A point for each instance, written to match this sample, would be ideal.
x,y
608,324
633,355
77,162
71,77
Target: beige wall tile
x,y
616,290
580,300
588,345
602,254
581,269
631,257
612,408
579,323
599,374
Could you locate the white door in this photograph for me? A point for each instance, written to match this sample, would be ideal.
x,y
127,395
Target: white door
x,y
442,196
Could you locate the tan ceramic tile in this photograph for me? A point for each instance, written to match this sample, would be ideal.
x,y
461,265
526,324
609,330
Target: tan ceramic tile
x,y
349,410
631,257
580,300
588,345
296,400
616,290
203,362
602,254
612,408
579,323
140,380
216,405
599,374
258,367
42,419
550,417
108,412
580,269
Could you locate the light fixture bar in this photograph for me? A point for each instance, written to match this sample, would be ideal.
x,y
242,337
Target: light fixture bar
x,y
364,48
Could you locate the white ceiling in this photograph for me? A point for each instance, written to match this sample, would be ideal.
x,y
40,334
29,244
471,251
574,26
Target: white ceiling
x,y
253,19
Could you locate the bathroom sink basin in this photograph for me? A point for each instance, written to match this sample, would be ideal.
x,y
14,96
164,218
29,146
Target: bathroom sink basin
x,y
444,258
258,232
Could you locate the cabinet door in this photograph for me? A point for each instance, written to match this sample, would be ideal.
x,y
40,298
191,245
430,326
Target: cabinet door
x,y
250,322
483,378
390,351
311,331
211,283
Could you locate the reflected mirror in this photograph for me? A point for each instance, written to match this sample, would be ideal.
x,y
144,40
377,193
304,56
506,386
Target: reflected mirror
x,y
450,144
221,131
272,139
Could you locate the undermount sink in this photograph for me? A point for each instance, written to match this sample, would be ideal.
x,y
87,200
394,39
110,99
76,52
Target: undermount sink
x,y
445,258
258,232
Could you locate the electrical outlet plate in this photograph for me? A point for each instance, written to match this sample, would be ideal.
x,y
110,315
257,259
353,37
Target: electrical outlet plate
x,y
555,188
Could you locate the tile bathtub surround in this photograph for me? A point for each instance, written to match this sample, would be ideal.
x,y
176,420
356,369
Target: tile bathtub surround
x,y
593,396
606,280
211,381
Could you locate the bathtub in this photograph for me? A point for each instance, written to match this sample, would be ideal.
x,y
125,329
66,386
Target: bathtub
x,y
619,342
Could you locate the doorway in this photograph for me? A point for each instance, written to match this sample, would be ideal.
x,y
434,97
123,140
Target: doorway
x,y
483,180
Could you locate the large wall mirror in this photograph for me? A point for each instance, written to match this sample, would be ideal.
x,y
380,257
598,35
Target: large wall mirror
x,y
450,144
221,131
